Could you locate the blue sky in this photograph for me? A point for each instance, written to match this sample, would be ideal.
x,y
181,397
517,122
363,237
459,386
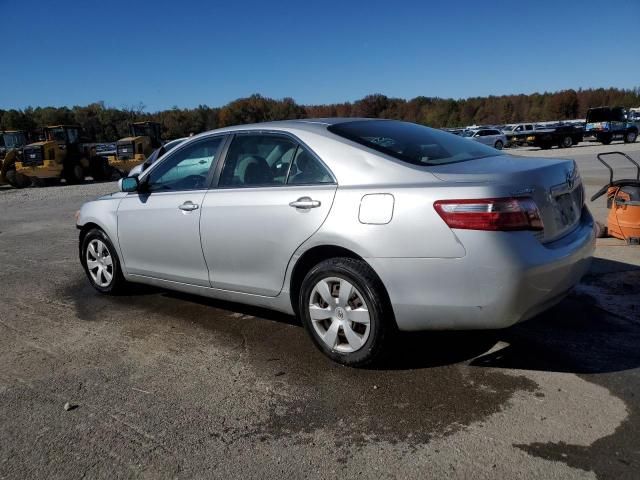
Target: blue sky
x,y
166,53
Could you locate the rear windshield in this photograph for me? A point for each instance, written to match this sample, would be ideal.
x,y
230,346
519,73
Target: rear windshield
x,y
412,143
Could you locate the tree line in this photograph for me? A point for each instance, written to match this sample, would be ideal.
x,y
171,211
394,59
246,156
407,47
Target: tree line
x,y
102,123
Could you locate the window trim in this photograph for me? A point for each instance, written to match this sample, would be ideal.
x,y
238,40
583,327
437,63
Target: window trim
x,y
174,151
299,143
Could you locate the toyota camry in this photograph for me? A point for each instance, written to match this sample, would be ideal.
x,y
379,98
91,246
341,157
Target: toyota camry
x,y
361,227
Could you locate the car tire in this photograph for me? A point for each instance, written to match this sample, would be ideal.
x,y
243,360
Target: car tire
x,y
631,136
499,145
17,180
101,263
352,330
73,174
566,142
606,139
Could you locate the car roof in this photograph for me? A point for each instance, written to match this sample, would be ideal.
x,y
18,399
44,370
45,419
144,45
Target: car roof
x,y
315,125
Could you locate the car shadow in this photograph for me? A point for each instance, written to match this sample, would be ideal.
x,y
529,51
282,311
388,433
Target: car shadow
x,y
595,330
579,335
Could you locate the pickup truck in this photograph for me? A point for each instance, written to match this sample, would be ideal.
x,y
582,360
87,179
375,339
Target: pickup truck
x,y
564,136
517,134
607,124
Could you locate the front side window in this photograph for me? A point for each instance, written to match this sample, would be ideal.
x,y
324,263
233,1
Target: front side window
x,y
411,143
186,169
57,135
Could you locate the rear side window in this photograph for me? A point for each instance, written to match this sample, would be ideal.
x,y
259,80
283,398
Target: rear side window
x,y
262,160
412,143
307,170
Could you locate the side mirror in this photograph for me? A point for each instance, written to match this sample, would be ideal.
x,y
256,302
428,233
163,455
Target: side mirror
x,y
128,184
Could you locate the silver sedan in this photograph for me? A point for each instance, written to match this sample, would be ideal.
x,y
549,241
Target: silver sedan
x,y
360,227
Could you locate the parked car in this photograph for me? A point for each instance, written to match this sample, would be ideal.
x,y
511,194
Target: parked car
x,y
359,226
562,136
488,136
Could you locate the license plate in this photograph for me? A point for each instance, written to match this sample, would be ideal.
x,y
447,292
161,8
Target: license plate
x,y
32,155
568,214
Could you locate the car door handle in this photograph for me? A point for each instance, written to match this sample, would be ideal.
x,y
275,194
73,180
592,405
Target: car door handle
x,y
305,203
189,206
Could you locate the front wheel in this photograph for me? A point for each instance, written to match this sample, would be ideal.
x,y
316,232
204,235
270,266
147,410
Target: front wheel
x,y
566,142
499,145
631,136
101,262
344,309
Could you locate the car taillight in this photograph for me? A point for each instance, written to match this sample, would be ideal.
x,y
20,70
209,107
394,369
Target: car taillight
x,y
490,214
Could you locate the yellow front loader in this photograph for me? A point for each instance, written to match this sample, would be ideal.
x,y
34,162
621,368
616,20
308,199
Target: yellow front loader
x,y
133,150
61,155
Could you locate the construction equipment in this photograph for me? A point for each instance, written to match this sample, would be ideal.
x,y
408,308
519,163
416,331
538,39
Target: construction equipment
x,y
60,155
623,202
133,150
11,143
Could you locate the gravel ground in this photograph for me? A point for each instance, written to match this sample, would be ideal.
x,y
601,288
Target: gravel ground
x,y
165,385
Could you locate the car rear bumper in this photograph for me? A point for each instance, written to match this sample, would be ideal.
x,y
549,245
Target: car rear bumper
x,y
505,278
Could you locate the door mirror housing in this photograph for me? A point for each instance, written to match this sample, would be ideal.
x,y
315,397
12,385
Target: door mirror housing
x,y
128,184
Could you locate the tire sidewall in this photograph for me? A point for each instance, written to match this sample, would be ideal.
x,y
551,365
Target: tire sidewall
x,y
100,235
375,305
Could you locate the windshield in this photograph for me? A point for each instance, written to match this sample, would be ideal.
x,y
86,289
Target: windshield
x,y
150,130
14,140
57,134
507,129
468,133
412,143
605,115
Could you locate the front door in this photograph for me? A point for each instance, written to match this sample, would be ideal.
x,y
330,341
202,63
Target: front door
x,y
159,227
272,195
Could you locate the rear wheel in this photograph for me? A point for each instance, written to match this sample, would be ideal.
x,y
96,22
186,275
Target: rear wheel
x,y
101,262
605,139
100,169
499,145
343,307
631,136
73,173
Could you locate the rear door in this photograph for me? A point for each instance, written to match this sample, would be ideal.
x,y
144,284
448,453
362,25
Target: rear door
x,y
159,228
273,194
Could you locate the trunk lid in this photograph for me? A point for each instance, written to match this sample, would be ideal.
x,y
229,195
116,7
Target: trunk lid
x,y
554,184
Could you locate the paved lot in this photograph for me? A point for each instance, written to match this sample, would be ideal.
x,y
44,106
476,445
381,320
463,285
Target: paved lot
x,y
168,385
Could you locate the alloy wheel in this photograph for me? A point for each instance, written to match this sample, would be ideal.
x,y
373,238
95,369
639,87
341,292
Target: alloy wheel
x,y
99,263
